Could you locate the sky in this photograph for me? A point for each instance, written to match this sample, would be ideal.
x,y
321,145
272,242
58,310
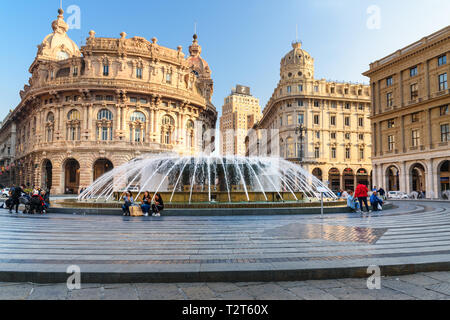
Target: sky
x,y
242,40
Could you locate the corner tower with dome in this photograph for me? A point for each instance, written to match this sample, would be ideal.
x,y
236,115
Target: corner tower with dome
x,y
86,111
335,144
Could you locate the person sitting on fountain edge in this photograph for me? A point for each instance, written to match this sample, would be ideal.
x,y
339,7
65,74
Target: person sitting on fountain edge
x,y
128,202
146,203
158,206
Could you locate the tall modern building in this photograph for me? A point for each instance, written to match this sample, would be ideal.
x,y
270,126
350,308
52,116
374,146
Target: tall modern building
x,y
323,125
411,117
87,110
240,112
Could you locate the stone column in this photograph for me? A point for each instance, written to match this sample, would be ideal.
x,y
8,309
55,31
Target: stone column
x,y
402,134
341,181
427,78
402,178
430,129
430,191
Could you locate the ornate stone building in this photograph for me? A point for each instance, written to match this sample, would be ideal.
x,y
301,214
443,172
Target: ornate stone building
x,y
87,111
335,144
7,151
240,113
411,117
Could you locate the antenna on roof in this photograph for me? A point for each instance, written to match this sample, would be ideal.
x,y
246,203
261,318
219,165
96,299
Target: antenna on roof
x,y
195,27
60,4
296,33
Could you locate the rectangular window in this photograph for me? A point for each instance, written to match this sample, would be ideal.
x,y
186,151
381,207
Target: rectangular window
x,y
301,118
333,153
445,133
139,73
347,153
316,152
289,89
143,101
361,107
389,99
332,90
347,106
316,119
168,78
105,70
361,154
109,98
133,100
361,136
347,136
444,110
361,122
75,98
75,71
281,121
415,117
389,82
333,120
391,143
414,91
415,136
442,60
98,98
391,123
346,91
104,133
413,71
318,134
300,87
67,98
443,82
347,121
300,103
289,120
333,135
316,103
334,105
316,88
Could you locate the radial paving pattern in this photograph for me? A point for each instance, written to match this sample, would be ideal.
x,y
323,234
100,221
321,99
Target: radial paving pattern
x,y
231,248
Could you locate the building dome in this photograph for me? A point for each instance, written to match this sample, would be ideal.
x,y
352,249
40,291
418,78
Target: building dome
x,y
198,64
57,45
297,63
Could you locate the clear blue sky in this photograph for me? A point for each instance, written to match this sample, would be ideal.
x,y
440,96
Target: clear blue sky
x,y
242,40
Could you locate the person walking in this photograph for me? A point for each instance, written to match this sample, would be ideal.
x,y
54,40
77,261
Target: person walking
x,y
361,193
157,206
15,199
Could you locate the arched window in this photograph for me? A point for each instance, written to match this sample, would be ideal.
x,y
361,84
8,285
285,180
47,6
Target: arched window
x,y
74,115
50,125
137,127
104,125
73,125
167,128
190,134
138,116
104,114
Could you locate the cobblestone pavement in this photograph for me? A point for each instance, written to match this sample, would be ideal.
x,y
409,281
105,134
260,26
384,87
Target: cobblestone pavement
x,y
422,286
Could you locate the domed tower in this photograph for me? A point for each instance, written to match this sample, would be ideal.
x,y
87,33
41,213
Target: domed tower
x,y
297,64
201,69
57,45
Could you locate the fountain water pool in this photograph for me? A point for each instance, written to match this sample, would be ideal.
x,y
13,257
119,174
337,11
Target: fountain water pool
x,y
209,179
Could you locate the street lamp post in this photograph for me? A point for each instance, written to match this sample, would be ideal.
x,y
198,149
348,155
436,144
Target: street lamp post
x,y
301,130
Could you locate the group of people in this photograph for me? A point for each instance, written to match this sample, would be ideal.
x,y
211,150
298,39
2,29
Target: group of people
x,y
154,203
356,200
37,201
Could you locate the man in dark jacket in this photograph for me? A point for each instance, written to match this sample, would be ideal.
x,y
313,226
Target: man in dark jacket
x,y
15,196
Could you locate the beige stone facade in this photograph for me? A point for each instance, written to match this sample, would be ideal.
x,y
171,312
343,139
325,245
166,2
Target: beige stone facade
x,y
411,117
87,111
336,144
240,112
7,151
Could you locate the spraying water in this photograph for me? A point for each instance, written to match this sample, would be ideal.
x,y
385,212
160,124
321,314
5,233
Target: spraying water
x,y
254,177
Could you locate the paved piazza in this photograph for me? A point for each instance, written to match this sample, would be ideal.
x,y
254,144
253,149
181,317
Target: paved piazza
x,y
111,249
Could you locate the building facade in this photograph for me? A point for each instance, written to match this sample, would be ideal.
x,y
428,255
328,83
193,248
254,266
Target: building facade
x,y
240,112
7,151
411,117
321,124
87,111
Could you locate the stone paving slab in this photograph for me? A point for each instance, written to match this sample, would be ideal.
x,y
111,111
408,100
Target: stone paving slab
x,y
411,238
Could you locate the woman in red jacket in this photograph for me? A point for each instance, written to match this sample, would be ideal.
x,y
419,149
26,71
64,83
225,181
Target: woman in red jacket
x,y
361,193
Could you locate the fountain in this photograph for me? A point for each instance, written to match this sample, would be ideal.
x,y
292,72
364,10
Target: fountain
x,y
209,181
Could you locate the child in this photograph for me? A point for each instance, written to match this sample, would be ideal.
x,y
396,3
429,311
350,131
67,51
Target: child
x,y
352,202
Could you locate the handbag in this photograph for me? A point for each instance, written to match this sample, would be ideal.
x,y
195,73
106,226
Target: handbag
x,y
380,207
